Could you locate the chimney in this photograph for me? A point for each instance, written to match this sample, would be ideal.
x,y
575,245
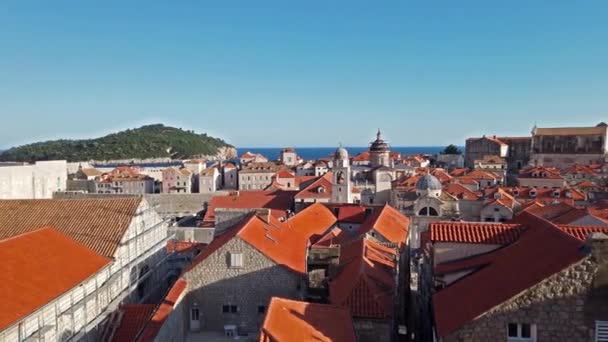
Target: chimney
x,y
597,245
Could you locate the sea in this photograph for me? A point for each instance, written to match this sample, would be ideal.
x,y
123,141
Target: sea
x,y
314,153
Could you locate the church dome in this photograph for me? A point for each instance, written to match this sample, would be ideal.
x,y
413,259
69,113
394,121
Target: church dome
x,y
341,153
428,182
379,145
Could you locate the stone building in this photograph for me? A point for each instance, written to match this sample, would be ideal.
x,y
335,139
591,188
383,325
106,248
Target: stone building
x,y
380,152
230,284
124,180
210,180
541,177
342,189
106,252
230,176
542,283
565,146
288,157
32,181
249,157
516,150
257,176
177,180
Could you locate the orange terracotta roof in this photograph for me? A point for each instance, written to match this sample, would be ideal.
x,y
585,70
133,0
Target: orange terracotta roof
x,y
134,318
163,311
174,246
363,156
559,213
599,208
580,169
277,200
581,232
351,214
461,192
441,175
365,283
98,224
285,174
285,243
475,232
389,223
38,267
334,237
459,172
467,181
542,250
312,190
290,320
548,172
478,174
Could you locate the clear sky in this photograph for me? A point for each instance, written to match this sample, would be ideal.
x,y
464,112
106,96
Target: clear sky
x,y
302,73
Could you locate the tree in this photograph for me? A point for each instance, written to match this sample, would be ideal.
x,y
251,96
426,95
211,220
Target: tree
x,y
451,149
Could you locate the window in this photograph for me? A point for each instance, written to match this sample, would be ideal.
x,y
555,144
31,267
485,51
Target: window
x,y
261,309
236,260
496,209
521,332
229,309
601,331
194,314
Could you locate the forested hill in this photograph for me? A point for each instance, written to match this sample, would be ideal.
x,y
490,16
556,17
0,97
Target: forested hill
x,y
152,141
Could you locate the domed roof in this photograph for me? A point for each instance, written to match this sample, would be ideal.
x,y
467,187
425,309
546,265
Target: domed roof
x,y
341,153
379,145
428,182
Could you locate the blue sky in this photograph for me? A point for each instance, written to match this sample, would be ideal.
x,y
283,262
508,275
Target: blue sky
x,y
309,73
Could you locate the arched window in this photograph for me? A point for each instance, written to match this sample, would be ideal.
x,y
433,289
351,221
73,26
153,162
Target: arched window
x,y
428,211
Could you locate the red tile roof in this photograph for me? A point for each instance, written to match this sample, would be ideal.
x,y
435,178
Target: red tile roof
x,y
134,318
365,283
459,172
99,224
580,169
290,320
461,192
363,156
38,267
334,237
312,190
475,232
559,213
581,232
285,243
174,246
541,251
599,209
548,172
478,174
389,223
277,200
163,311
285,174
351,214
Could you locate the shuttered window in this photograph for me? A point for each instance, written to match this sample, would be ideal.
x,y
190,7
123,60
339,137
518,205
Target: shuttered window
x,y
601,331
236,260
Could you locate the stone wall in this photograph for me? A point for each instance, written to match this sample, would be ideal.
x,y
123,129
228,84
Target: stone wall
x,y
371,330
212,284
561,307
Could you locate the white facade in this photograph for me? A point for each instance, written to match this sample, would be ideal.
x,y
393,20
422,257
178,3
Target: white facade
x,y
210,180
33,181
342,191
135,274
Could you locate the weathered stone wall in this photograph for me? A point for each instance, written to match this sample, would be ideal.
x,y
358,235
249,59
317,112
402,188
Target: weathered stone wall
x,y
372,331
476,149
212,284
228,217
558,306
